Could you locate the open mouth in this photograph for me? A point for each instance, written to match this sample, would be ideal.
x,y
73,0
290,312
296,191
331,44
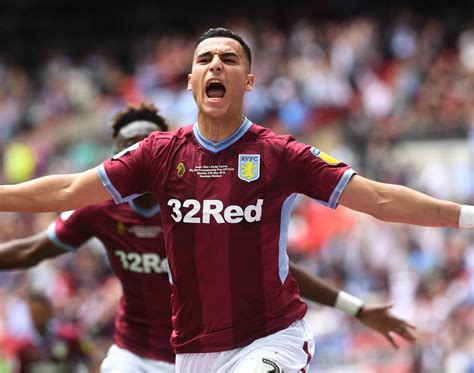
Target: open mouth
x,y
215,90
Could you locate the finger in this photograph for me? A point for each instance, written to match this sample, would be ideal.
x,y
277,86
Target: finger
x,y
405,333
403,325
399,323
389,337
408,335
408,325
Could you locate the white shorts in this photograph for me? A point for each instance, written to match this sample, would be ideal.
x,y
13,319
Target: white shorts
x,y
119,360
288,351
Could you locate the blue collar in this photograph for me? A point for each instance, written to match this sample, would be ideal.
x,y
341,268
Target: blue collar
x,y
216,147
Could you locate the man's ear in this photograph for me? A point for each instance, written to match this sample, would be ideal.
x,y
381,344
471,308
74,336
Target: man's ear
x,y
249,82
189,82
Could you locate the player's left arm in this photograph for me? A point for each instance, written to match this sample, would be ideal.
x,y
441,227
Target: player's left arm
x,y
396,203
376,317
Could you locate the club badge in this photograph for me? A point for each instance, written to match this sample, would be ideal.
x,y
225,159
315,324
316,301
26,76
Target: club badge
x,y
249,167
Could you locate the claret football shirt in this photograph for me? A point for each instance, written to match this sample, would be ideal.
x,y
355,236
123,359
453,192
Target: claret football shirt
x,y
226,208
133,238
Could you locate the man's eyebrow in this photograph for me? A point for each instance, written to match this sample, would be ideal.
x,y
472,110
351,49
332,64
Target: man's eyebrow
x,y
223,54
230,54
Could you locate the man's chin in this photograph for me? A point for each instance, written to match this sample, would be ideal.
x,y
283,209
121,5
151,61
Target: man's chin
x,y
214,109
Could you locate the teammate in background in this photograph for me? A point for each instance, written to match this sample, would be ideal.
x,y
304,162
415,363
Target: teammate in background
x,y
133,238
52,346
226,186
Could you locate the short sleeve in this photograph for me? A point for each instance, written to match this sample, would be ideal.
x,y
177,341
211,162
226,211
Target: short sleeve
x,y
316,174
126,175
70,229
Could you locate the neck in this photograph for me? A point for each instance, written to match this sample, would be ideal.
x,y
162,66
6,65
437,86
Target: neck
x,y
218,129
145,201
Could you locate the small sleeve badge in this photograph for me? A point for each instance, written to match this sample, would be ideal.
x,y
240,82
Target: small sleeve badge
x,y
325,157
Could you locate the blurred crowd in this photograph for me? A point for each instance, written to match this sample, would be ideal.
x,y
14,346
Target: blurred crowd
x,y
357,88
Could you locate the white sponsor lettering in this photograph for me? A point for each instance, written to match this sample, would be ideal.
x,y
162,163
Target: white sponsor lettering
x,y
254,213
195,206
214,208
142,263
145,231
233,214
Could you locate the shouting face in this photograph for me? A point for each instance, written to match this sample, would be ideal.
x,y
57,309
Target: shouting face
x,y
219,78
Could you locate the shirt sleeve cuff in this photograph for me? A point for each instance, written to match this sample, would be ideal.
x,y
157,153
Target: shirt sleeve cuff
x,y
341,185
52,236
110,188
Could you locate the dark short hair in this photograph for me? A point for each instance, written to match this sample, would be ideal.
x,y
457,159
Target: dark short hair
x,y
221,32
39,298
145,111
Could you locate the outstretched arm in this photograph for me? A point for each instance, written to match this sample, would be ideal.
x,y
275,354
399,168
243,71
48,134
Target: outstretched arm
x,y
27,252
376,317
396,203
54,193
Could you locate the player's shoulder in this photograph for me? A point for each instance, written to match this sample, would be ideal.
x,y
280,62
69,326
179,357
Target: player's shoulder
x,y
158,142
268,136
179,133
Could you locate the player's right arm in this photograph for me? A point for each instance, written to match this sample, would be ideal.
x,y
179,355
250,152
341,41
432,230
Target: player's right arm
x,y
27,252
123,177
54,193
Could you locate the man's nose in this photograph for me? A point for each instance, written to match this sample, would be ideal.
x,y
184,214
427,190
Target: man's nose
x,y
216,63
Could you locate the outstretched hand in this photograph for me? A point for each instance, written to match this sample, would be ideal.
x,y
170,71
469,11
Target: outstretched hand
x,y
380,319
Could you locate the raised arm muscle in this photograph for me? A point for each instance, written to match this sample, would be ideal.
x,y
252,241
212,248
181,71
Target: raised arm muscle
x,y
396,203
54,193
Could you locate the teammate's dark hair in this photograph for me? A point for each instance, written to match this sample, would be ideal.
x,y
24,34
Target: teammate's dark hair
x,y
221,32
144,111
39,298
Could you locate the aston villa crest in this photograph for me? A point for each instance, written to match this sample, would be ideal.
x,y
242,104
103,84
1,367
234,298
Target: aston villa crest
x,y
249,167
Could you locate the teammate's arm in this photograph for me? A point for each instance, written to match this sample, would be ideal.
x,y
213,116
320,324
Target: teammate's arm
x,y
54,193
376,317
27,252
396,203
